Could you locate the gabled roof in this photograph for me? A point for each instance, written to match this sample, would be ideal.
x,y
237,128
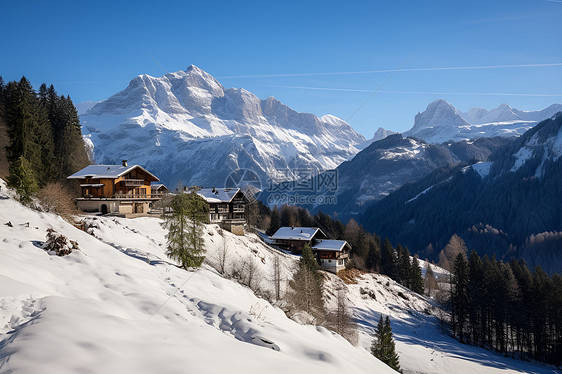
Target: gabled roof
x,y
156,186
218,195
297,233
107,171
331,245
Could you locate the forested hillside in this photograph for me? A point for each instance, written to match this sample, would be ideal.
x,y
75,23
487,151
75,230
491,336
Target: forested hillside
x,y
40,136
508,207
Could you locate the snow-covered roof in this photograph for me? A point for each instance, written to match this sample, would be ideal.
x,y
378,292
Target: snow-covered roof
x,y
218,195
156,186
92,185
330,245
107,171
297,233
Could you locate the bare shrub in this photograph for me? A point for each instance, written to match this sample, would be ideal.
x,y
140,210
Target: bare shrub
x,y
59,244
55,197
340,321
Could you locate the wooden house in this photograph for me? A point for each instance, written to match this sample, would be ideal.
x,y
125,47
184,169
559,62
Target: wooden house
x,y
227,207
158,189
119,189
332,255
294,238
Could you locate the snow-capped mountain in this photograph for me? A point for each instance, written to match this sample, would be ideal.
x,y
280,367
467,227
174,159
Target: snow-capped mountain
x,y
504,113
185,126
387,164
380,134
83,106
442,122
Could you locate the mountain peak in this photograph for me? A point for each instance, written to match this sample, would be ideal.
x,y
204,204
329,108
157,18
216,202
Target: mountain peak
x,y
438,113
194,68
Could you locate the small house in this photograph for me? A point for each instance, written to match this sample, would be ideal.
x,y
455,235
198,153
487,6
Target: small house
x,y
294,238
332,255
158,189
119,189
227,207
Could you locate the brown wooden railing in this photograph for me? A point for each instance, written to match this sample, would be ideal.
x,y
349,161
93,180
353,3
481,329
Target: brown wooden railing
x,y
124,196
133,182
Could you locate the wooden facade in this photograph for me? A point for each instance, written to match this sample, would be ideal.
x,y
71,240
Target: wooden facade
x,y
294,239
119,189
332,255
227,207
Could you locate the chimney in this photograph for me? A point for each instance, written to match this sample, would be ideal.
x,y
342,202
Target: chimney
x,y
124,162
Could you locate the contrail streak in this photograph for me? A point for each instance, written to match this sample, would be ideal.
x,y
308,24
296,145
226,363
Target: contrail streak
x,y
391,70
378,89
414,92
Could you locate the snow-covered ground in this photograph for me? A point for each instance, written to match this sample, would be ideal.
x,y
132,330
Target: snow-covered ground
x,y
119,305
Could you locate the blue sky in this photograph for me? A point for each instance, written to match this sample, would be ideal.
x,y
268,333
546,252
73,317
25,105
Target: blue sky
x,y
91,49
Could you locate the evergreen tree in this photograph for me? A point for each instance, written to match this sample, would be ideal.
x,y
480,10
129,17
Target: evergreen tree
x,y
22,179
183,218
461,298
275,222
383,346
29,129
388,259
403,265
416,279
374,256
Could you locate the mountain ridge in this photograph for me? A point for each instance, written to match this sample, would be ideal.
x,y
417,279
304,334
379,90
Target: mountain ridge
x,y
176,116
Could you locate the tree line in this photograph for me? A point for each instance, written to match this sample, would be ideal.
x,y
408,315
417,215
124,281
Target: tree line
x,y
44,136
507,308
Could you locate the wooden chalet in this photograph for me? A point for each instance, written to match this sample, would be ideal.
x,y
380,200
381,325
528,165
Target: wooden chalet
x,y
294,238
158,189
332,255
227,207
119,189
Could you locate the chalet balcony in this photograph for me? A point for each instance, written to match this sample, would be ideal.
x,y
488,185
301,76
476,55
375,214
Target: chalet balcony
x,y
133,182
122,197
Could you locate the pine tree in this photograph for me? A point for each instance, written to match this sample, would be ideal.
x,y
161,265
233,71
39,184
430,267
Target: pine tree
x,y
184,217
416,279
461,296
22,179
388,259
374,256
275,222
383,346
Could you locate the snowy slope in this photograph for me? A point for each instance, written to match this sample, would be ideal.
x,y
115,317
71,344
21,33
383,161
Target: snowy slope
x,y
119,306
184,125
442,122
111,308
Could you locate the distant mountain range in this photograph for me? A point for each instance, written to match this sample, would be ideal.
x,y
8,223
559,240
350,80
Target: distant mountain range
x,y
508,206
392,162
441,122
185,126
188,128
